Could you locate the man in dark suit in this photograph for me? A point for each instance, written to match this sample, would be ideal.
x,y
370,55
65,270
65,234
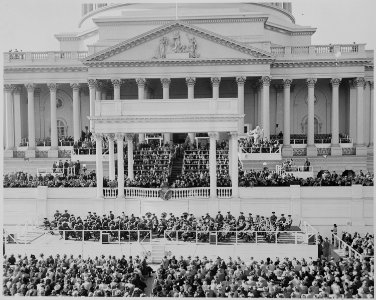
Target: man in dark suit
x,y
307,164
273,218
219,217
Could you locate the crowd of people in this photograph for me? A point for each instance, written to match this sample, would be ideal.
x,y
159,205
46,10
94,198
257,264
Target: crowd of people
x,y
281,278
267,177
200,179
75,276
363,245
70,226
25,180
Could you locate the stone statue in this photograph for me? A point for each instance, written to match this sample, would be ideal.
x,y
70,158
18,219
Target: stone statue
x,y
193,48
177,47
256,134
162,47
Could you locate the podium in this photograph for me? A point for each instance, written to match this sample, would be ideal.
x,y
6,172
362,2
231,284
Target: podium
x,y
212,238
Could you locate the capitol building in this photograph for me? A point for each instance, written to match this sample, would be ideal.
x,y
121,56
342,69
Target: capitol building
x,y
192,109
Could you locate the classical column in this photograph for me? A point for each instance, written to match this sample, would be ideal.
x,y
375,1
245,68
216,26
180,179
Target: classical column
x,y
240,80
191,86
141,82
352,110
215,81
336,150
129,138
256,95
8,89
98,90
17,115
92,95
54,142
30,115
213,164
311,149
286,112
99,164
371,83
120,164
166,96
234,164
117,84
76,111
359,82
191,95
111,156
265,80
166,88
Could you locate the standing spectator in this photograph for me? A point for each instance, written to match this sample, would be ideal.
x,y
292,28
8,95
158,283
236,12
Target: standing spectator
x,y
307,164
335,233
326,248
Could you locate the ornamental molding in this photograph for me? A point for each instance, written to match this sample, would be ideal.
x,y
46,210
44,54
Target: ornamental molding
x,y
179,62
240,80
9,88
213,135
318,63
359,82
287,31
55,69
265,80
91,83
141,82
116,82
311,82
30,87
119,136
175,26
110,137
129,137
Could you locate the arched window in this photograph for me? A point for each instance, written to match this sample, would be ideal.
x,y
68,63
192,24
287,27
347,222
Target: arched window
x,y
61,129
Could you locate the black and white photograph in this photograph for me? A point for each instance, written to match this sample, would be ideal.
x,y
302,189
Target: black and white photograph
x,y
187,149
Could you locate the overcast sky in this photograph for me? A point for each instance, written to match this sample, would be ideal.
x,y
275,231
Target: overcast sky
x,y
30,25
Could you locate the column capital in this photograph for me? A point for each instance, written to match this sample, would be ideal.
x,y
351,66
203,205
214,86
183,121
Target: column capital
x,y
110,137
359,82
9,88
265,80
52,86
75,86
213,135
98,136
91,83
287,83
240,80
16,89
141,82
215,81
98,84
371,84
119,136
234,134
190,81
335,82
116,82
165,82
30,87
311,82
129,136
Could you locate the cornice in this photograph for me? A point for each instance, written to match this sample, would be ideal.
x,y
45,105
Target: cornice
x,y
177,62
56,69
318,63
155,33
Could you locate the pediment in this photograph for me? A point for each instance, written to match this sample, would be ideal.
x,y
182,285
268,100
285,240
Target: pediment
x,y
177,41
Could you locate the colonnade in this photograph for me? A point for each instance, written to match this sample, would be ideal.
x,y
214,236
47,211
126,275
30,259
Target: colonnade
x,y
119,137
12,105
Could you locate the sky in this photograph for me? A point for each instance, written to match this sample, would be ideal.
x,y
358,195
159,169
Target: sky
x,y
30,25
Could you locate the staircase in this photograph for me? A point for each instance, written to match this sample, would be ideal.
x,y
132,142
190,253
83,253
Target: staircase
x,y
25,237
176,170
157,253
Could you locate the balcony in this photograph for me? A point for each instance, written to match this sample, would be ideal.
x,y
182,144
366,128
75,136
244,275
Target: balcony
x,y
321,51
43,57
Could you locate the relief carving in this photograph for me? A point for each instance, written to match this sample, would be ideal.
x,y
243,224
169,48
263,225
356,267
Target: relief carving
x,y
176,44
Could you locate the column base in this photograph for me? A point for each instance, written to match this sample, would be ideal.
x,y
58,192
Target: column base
x,y
311,151
8,153
336,150
30,153
361,150
287,151
119,197
53,153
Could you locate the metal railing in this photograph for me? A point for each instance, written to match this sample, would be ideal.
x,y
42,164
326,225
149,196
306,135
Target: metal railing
x,y
261,149
310,233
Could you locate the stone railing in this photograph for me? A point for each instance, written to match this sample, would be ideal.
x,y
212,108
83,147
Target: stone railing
x,y
184,193
43,56
348,50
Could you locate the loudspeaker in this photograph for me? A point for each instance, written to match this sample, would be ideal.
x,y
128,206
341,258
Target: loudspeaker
x,y
105,238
